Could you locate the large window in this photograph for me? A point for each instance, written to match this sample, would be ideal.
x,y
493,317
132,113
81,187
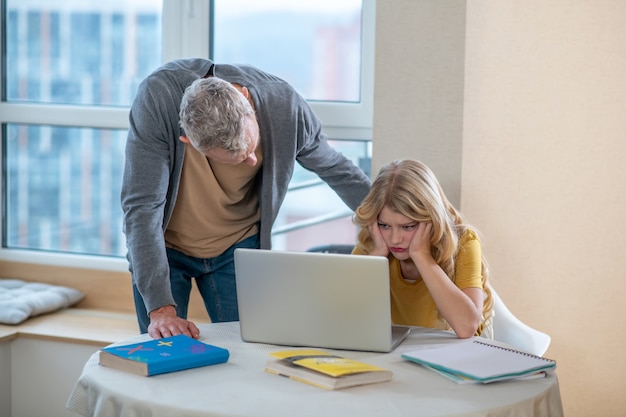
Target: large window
x,y
69,73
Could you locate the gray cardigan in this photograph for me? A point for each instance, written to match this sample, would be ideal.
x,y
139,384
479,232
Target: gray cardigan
x,y
289,131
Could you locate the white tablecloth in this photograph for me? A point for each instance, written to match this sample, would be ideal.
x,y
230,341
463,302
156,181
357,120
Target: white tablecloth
x,y
240,387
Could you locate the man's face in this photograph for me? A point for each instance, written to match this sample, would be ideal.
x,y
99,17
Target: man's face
x,y
248,156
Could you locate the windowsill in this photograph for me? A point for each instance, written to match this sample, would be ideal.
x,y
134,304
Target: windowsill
x,y
104,316
93,327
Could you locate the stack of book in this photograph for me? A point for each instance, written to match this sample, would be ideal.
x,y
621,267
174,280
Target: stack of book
x,y
323,369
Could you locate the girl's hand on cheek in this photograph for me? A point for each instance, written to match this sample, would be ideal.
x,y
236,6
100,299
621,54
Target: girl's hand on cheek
x,y
380,247
420,244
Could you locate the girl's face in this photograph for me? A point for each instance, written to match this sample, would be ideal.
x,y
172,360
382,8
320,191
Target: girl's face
x,y
397,232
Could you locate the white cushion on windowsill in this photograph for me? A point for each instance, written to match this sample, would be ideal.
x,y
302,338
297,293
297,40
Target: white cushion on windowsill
x,y
20,300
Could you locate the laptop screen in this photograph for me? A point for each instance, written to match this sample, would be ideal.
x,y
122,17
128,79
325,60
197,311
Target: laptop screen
x,y
314,299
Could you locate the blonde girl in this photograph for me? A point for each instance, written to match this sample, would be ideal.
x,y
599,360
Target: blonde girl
x,y
438,276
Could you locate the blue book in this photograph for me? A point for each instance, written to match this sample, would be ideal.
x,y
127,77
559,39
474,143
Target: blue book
x,y
158,356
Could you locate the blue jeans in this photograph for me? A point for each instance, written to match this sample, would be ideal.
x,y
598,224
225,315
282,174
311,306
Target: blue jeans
x,y
215,279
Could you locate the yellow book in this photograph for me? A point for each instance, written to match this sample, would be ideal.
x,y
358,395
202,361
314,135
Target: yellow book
x,y
324,369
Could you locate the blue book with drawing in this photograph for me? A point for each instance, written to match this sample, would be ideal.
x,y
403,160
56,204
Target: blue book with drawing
x,y
158,356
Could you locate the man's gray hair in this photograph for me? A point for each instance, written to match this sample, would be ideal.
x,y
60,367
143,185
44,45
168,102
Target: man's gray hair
x,y
213,113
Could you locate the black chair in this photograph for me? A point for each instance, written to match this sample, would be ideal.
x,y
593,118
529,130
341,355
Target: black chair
x,y
332,248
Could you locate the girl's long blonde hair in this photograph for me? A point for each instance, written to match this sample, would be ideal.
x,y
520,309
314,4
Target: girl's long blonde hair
x,y
410,188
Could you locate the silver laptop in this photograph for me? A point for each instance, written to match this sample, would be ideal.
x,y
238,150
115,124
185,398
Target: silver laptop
x,y
320,300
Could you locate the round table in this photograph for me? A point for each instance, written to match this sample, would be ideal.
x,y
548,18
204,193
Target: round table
x,y
241,387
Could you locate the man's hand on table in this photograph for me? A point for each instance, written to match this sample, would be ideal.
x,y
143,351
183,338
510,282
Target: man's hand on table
x,y
165,323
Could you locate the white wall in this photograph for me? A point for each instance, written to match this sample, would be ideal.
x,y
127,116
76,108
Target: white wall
x,y
543,175
418,94
43,374
5,378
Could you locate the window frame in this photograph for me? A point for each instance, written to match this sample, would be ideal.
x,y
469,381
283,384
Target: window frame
x,y
185,33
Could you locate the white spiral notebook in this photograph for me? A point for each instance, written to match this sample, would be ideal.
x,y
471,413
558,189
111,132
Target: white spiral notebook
x,y
477,360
